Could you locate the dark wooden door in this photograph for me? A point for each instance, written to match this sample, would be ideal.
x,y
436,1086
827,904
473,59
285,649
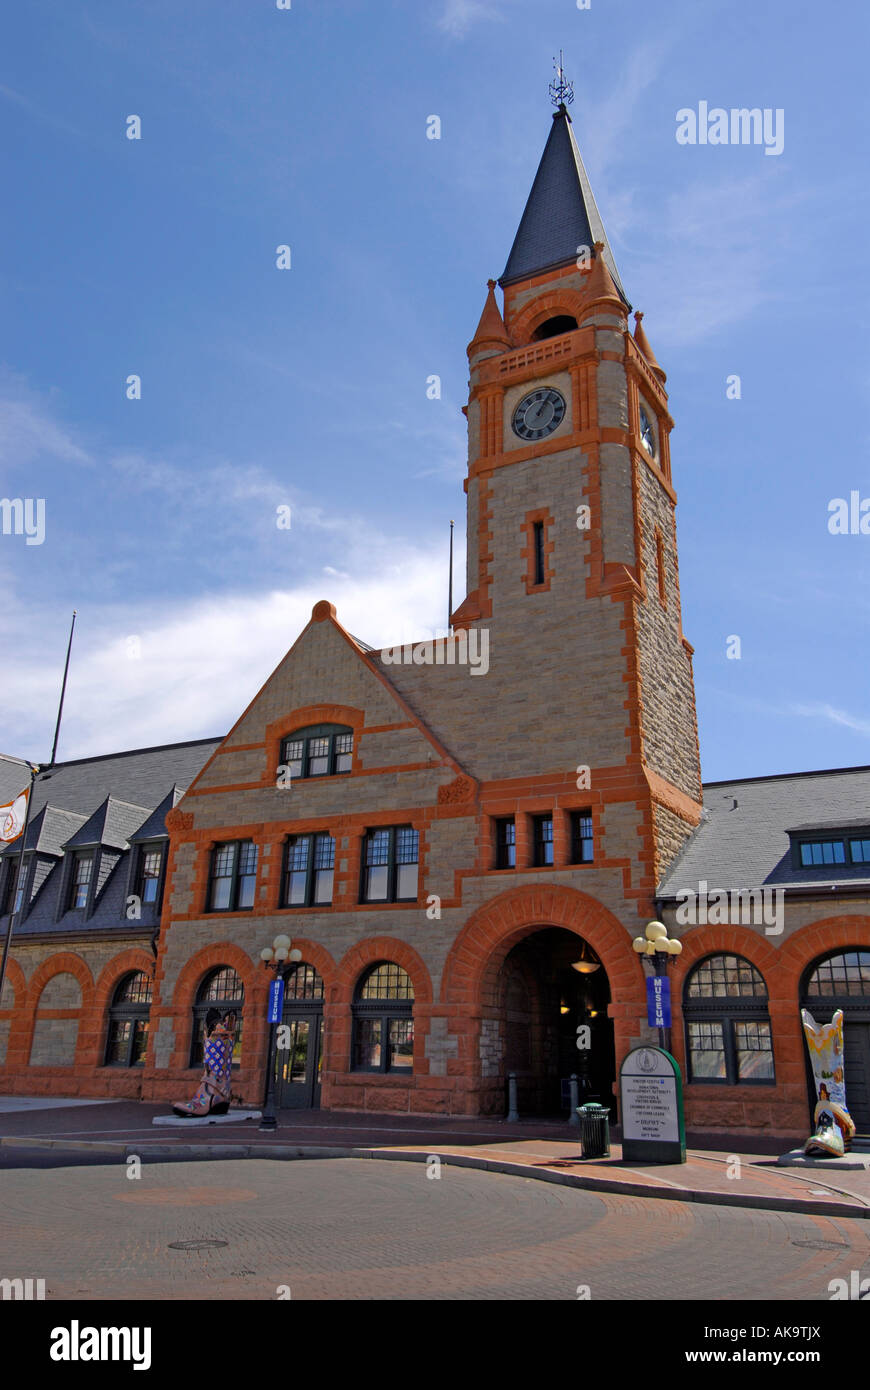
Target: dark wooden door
x,y
856,1066
299,1061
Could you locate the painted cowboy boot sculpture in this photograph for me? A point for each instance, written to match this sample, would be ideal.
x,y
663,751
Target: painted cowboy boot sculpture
x,y
213,1096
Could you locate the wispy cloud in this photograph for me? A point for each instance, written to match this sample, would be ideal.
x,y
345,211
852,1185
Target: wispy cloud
x,y
840,717
458,16
194,666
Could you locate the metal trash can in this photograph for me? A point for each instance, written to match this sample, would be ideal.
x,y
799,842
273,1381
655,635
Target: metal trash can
x,y
594,1130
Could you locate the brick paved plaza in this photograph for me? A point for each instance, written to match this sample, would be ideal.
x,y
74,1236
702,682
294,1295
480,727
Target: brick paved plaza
x,y
351,1229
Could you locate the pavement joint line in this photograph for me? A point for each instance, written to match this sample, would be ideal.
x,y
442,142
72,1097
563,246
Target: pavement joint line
x,y
587,1182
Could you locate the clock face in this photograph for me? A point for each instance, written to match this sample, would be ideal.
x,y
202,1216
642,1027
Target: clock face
x,y
539,413
647,433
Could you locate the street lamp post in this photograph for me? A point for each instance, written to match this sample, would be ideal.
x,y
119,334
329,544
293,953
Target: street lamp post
x,y
656,943
274,958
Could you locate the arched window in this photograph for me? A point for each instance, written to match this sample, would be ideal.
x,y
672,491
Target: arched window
x,y
221,989
728,1037
321,750
552,328
129,1012
303,983
842,977
383,1023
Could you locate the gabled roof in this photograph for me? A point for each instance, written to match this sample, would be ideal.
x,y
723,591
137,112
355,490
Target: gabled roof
x,y
48,832
561,214
111,825
154,828
743,840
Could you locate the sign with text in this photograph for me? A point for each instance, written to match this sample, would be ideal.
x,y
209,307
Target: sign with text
x,y
658,1001
651,1107
276,1000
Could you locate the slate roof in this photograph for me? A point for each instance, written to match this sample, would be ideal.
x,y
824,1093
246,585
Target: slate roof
x,y
112,824
111,800
47,832
14,777
142,777
743,840
561,213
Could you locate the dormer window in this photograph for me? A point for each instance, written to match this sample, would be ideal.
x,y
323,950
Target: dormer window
x,y
815,852
81,880
822,847
323,750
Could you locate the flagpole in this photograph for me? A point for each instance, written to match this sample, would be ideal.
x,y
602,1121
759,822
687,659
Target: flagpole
x,y
18,879
63,690
34,770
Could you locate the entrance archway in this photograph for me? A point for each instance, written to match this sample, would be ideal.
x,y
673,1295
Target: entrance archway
x,y
548,1007
474,988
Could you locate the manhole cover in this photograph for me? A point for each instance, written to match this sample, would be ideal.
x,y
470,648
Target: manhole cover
x,y
822,1244
197,1244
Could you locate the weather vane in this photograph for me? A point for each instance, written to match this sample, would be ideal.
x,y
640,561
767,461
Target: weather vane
x,y
561,92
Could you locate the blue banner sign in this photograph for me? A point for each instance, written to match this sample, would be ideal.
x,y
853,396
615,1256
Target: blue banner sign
x,y
276,1000
658,1001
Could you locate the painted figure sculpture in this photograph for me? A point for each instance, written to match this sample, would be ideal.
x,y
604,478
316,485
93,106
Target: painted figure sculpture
x,y
213,1095
833,1125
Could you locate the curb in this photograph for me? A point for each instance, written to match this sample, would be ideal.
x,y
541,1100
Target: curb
x,y
618,1186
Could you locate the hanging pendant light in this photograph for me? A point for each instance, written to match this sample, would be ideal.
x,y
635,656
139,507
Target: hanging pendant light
x,y
586,965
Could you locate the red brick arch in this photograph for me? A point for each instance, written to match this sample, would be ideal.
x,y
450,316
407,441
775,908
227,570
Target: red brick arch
x,y
64,963
477,955
93,1026
820,939
547,306
381,948
17,983
190,977
319,957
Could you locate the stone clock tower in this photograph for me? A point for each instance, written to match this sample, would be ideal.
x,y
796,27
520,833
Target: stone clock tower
x,y
572,552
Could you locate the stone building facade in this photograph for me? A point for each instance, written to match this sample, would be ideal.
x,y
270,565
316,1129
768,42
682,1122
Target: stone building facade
x,y
463,837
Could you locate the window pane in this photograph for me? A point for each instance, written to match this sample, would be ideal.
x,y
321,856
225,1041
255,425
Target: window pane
x,y
707,1051
150,874
387,981
406,881
343,752
296,884
224,986
377,883
582,838
247,873
323,886
318,756
220,893
543,840
140,1042
291,756
726,976
297,852
407,841
754,1051
860,851
118,1042
303,983
367,1042
401,1044
848,973
378,847
135,989
324,852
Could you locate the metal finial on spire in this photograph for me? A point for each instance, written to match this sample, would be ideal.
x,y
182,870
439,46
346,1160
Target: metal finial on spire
x,y
561,92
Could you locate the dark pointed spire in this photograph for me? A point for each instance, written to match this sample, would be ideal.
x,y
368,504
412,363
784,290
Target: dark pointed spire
x,y
561,214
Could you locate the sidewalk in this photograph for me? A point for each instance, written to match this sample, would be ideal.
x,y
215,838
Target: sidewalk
x,y
548,1152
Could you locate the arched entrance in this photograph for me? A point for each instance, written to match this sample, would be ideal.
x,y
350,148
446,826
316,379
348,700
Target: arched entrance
x,y
841,980
550,985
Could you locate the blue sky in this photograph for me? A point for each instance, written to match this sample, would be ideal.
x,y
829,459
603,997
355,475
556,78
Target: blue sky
x,y
307,388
